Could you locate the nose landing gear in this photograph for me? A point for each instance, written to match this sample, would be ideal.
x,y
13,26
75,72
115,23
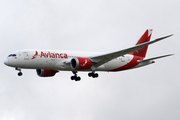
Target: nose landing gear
x,y
19,73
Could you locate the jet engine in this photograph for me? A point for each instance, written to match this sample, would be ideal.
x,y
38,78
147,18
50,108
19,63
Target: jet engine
x,y
45,72
80,63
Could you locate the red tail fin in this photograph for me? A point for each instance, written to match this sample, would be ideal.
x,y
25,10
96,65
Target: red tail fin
x,y
145,38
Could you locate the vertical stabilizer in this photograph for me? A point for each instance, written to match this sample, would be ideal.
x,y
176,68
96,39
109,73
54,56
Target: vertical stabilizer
x,y
144,38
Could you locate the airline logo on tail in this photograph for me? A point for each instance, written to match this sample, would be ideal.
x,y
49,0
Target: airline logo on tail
x,y
144,38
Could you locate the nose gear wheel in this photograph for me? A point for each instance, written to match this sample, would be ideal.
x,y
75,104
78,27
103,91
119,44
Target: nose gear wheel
x,y
19,73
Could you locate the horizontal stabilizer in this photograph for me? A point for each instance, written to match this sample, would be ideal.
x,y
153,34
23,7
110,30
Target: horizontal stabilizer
x,y
156,58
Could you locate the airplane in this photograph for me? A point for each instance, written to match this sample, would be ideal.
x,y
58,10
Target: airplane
x,y
48,62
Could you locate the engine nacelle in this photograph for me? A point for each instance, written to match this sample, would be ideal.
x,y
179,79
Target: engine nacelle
x,y
80,63
46,72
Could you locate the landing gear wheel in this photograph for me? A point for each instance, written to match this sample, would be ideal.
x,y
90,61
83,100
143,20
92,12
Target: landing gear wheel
x,y
73,77
90,74
94,75
20,74
77,79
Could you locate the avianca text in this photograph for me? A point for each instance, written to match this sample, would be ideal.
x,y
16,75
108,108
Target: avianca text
x,y
53,55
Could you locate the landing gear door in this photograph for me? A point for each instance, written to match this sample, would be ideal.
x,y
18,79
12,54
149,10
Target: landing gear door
x,y
26,55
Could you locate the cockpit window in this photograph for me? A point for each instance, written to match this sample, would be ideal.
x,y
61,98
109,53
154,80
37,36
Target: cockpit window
x,y
13,55
10,55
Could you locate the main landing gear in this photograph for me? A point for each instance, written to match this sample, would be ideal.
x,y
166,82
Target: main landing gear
x,y
75,77
19,73
92,74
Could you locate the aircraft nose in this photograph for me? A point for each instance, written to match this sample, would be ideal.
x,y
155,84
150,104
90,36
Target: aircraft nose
x,y
6,62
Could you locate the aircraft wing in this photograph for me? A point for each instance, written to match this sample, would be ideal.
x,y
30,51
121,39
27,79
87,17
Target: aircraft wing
x,y
101,59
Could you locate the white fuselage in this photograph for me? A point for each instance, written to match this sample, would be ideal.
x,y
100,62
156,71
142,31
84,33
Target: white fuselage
x,y
59,60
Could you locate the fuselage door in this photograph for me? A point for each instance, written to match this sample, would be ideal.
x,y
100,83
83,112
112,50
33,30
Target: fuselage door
x,y
26,56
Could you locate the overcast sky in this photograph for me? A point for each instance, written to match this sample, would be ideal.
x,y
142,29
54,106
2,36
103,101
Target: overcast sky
x,y
147,93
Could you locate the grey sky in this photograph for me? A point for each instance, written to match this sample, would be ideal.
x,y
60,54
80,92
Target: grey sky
x,y
150,92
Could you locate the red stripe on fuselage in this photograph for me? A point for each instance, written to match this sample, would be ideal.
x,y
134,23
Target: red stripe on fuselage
x,y
129,65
